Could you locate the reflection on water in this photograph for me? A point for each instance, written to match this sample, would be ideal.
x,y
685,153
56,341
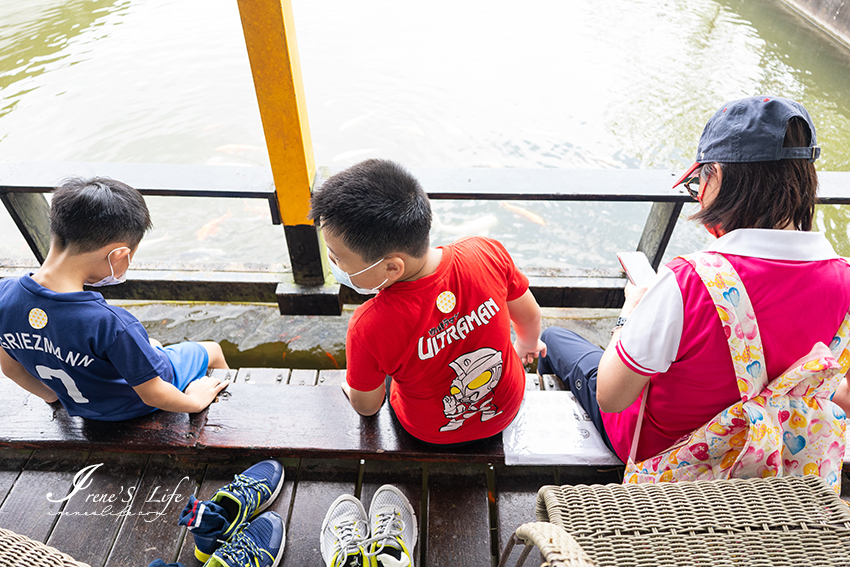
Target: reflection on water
x,y
251,335
543,84
37,36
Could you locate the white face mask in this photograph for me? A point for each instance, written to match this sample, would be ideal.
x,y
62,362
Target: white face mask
x,y
111,279
345,278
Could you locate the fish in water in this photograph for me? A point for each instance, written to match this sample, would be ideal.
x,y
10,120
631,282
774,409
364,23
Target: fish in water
x,y
537,219
212,227
329,355
258,210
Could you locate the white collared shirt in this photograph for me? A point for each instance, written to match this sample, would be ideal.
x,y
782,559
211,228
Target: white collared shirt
x,y
660,313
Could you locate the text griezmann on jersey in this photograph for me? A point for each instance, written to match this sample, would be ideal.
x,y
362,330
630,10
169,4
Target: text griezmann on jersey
x,y
27,341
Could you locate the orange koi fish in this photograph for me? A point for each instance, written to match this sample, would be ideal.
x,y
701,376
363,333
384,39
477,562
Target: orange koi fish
x,y
537,219
212,227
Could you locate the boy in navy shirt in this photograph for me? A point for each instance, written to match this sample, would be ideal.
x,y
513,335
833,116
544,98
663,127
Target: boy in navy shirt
x,y
63,343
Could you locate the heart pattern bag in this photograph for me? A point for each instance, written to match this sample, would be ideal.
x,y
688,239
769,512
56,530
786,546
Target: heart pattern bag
x,y
785,427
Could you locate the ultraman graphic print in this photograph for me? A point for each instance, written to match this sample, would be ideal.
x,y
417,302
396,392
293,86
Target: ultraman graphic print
x,y
477,374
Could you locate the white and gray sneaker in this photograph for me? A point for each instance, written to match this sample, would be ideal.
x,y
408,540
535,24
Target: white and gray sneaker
x,y
393,525
345,531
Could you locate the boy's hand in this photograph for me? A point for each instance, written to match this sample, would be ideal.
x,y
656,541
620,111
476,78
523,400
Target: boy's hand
x,y
527,353
364,403
204,390
525,317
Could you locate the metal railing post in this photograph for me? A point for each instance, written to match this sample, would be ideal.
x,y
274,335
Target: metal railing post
x,y
657,231
272,50
31,214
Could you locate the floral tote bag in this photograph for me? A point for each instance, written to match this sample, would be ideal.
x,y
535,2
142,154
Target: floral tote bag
x,y
786,427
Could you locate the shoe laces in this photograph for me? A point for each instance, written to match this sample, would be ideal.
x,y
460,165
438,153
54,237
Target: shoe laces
x,y
388,527
241,550
348,541
249,487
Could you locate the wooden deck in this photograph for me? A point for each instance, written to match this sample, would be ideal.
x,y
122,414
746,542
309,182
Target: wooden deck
x,y
124,509
127,515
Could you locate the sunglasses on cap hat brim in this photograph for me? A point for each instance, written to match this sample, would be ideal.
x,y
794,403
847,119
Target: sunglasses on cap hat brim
x,y
687,175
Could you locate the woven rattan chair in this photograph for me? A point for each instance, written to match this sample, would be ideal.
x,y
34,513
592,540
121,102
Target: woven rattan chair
x,y
20,551
774,522
558,548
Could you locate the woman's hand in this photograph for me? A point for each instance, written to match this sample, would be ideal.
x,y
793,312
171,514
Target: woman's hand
x,y
617,385
633,296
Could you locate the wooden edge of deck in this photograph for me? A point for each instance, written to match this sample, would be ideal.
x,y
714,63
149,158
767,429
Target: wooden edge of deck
x,y
249,418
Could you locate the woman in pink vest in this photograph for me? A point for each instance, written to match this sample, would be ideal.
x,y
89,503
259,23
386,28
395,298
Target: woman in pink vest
x,y
756,183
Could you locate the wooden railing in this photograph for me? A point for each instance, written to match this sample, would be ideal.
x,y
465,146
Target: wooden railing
x,y
22,186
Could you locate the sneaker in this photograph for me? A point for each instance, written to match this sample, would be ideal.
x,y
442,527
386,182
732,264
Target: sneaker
x,y
394,530
255,544
213,522
344,531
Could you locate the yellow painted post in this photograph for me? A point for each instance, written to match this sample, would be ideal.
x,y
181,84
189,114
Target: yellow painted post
x,y
272,49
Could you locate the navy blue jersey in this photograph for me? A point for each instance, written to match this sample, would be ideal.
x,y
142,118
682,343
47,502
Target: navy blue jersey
x,y
89,352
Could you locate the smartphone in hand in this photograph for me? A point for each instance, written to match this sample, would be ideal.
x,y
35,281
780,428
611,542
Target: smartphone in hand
x,y
637,268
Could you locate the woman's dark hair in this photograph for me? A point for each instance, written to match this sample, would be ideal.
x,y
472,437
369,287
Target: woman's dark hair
x,y
376,208
87,214
765,194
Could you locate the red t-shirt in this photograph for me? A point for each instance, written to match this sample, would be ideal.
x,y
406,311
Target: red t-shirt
x,y
446,341
800,291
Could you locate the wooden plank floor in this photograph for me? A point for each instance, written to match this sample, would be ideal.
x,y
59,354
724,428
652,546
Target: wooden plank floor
x,y
111,508
124,513
122,509
116,478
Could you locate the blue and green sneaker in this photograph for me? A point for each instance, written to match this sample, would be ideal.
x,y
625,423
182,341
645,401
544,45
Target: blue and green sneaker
x,y
215,521
258,543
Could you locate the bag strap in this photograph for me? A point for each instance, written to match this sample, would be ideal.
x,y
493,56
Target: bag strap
x,y
839,343
738,318
639,424
733,306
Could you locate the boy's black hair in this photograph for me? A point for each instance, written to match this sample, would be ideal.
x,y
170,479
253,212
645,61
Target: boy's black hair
x,y
376,208
87,214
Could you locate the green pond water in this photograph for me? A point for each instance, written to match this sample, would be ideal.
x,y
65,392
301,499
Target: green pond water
x,y
579,84
583,84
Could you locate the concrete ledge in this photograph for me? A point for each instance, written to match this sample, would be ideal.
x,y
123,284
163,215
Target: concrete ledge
x,y
833,16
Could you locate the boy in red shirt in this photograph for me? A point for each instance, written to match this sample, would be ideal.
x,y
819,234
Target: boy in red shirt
x,y
441,324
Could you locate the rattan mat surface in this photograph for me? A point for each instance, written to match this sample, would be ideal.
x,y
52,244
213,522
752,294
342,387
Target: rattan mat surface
x,y
789,521
19,551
